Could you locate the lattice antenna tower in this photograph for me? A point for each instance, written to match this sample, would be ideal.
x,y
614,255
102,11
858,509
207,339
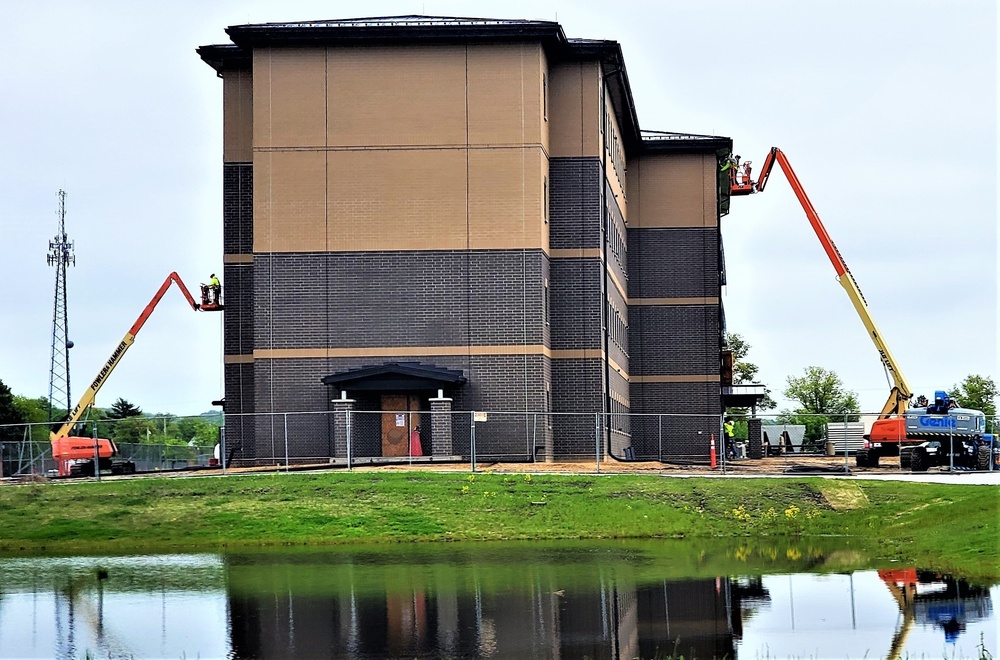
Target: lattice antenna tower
x,y
60,255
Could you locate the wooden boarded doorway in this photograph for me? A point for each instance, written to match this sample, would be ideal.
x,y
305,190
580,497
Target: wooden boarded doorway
x,y
402,416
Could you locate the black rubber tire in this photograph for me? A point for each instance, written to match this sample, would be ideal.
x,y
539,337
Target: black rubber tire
x,y
919,462
983,459
905,456
861,458
873,457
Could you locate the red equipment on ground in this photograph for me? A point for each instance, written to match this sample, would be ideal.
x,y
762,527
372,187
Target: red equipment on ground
x,y
76,455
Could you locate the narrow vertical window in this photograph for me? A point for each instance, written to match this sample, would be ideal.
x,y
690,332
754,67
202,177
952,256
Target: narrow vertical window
x,y
545,199
545,303
545,97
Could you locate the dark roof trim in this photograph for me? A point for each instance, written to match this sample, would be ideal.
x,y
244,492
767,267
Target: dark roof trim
x,y
410,372
382,30
225,56
690,143
394,29
435,29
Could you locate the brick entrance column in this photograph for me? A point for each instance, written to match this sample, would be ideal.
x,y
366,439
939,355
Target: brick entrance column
x,y
441,439
755,447
342,408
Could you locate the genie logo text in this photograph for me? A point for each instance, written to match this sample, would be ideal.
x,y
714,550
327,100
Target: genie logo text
x,y
939,422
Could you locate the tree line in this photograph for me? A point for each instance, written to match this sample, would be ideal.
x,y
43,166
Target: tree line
x,y
122,422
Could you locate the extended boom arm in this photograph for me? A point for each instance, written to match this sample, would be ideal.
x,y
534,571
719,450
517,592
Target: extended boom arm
x,y
900,393
88,397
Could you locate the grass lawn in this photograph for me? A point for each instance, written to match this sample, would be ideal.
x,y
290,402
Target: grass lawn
x,y
941,526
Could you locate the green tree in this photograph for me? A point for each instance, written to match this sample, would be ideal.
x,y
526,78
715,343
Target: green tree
x,y
122,409
134,429
821,396
744,373
9,414
196,430
980,393
36,412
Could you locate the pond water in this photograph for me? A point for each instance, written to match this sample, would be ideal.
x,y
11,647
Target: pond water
x,y
529,600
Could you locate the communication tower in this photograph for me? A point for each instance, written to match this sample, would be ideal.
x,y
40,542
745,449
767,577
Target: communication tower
x,y
60,255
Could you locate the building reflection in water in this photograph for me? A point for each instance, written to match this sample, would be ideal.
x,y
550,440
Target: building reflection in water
x,y
544,602
465,614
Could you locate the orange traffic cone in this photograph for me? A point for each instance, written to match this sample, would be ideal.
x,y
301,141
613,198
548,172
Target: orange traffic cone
x,y
712,453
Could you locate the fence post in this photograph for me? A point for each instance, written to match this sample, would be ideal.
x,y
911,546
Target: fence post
x,y
847,463
597,441
285,415
97,455
534,436
725,442
472,439
659,438
349,448
951,451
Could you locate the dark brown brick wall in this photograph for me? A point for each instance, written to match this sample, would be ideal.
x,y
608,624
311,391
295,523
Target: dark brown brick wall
x,y
685,410
575,203
674,340
673,263
239,386
359,299
237,298
237,208
497,383
576,305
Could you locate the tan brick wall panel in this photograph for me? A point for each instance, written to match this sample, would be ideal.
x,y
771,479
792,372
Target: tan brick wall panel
x,y
505,95
408,199
289,97
237,116
289,201
574,109
672,191
505,199
397,95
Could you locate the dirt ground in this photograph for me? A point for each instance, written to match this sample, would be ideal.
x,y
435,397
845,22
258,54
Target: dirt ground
x,y
771,465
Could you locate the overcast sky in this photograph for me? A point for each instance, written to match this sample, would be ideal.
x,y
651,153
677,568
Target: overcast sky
x,y
886,109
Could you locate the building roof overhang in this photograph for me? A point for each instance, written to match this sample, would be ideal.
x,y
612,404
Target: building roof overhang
x,y
743,396
397,377
690,143
395,30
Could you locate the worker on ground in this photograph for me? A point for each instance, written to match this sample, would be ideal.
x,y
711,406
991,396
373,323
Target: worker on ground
x,y
729,432
215,289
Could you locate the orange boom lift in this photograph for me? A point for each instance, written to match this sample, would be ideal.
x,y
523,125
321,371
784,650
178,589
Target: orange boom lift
x,y
75,455
890,427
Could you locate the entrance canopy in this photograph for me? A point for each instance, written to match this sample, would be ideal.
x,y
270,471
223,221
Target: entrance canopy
x,y
397,377
743,396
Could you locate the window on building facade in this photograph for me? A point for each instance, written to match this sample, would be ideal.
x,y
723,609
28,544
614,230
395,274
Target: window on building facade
x,y
545,97
545,303
545,199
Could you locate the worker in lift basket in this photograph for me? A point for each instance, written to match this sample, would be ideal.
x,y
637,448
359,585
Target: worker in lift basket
x,y
214,290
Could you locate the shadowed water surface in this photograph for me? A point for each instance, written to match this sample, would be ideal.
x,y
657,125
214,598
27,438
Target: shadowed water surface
x,y
526,600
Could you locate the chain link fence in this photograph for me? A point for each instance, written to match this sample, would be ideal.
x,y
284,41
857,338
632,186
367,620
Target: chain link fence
x,y
26,451
585,442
